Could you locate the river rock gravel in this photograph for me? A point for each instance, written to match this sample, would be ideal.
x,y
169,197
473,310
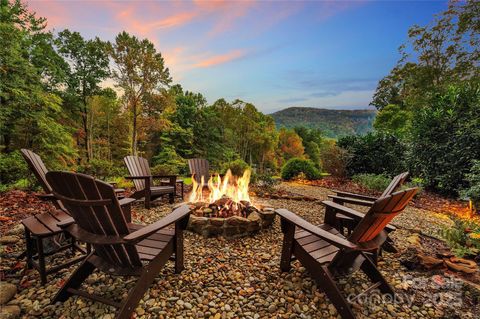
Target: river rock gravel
x,y
240,278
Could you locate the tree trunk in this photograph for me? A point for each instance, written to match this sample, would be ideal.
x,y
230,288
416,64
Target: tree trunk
x,y
85,129
90,136
85,139
109,144
134,129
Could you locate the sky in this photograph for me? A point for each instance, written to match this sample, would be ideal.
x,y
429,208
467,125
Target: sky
x,y
274,54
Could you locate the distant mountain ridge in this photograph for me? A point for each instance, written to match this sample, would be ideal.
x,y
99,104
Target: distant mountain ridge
x,y
334,123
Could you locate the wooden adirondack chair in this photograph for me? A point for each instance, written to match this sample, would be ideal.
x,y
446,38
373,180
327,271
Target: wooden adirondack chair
x,y
199,168
142,177
327,254
347,224
119,248
37,166
43,227
364,200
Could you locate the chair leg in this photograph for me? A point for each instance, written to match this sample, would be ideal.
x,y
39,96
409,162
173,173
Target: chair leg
x,y
287,246
146,279
147,201
326,281
389,246
172,198
178,242
41,261
75,280
372,272
29,251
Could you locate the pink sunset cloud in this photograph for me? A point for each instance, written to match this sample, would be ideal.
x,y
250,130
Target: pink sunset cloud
x,y
159,20
221,58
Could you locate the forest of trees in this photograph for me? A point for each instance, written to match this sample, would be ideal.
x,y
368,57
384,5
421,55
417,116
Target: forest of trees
x,y
54,100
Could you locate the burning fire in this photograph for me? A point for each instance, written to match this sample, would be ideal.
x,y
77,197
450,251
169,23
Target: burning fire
x,y
236,189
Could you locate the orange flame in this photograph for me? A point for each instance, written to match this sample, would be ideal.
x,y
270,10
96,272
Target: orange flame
x,y
234,188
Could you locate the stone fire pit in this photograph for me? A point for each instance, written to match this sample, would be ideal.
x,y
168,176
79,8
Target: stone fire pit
x,y
233,226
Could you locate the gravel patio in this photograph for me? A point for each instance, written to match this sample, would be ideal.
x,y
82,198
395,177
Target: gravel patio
x,y
240,278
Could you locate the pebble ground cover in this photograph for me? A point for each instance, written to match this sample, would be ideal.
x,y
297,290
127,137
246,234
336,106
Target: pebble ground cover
x,y
240,278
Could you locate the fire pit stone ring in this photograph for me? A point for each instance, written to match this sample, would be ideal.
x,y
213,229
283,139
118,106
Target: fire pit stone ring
x,y
227,209
231,227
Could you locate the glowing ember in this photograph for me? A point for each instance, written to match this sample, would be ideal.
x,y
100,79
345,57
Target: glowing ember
x,y
228,195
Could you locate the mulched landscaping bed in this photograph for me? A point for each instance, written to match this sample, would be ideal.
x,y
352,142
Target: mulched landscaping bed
x,y
240,278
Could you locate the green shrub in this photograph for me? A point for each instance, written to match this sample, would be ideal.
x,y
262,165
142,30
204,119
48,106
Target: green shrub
x,y
296,166
415,182
12,168
101,169
23,184
237,167
170,161
165,169
374,153
266,180
372,181
445,137
463,237
334,160
473,192
121,182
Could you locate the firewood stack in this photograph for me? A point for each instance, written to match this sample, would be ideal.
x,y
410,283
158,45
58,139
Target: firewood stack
x,y
224,207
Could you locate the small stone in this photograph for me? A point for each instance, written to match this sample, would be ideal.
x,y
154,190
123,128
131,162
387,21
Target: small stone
x,y
140,311
272,308
150,302
8,240
7,291
9,312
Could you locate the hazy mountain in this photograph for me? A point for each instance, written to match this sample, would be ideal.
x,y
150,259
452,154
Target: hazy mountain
x,y
335,123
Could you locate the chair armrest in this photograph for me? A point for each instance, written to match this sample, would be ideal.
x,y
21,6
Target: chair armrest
x,y
328,237
344,209
126,201
175,216
349,200
358,196
91,238
350,212
172,179
66,222
164,176
138,177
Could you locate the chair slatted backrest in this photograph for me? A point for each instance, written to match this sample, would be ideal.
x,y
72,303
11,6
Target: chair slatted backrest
x,y
380,214
396,182
95,209
138,166
37,166
199,167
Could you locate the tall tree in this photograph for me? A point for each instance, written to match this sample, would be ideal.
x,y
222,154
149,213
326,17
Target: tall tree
x,y
289,144
30,70
140,71
88,66
444,52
